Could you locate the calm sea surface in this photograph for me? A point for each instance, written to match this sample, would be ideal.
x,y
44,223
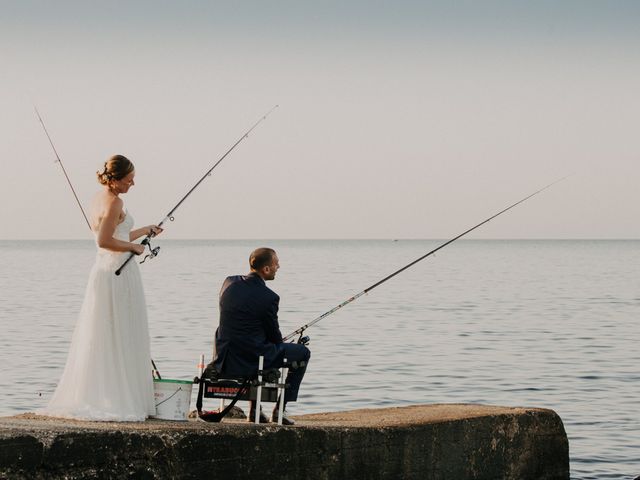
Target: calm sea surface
x,y
550,324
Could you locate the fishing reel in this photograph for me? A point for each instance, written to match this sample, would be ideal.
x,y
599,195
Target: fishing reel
x,y
303,340
153,252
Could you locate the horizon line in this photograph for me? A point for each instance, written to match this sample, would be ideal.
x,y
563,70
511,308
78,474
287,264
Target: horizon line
x,y
390,239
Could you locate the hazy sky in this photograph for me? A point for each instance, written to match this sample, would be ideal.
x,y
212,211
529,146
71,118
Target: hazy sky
x,y
397,119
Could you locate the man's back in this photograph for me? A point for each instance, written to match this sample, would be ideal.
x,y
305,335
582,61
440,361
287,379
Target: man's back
x,y
248,325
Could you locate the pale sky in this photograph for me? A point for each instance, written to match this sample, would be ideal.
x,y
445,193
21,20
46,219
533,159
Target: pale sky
x,y
397,119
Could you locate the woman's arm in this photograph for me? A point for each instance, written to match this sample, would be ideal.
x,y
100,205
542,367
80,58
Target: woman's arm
x,y
108,227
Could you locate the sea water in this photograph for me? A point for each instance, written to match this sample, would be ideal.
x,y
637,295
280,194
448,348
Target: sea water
x,y
544,323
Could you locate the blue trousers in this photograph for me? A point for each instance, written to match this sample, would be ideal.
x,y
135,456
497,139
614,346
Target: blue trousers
x,y
293,352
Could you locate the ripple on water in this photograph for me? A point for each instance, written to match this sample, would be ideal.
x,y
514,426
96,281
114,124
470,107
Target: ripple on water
x,y
538,323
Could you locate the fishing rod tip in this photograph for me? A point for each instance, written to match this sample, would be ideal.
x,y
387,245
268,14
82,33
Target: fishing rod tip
x,y
562,179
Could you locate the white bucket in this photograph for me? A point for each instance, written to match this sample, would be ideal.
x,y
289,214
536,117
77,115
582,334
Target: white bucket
x,y
172,398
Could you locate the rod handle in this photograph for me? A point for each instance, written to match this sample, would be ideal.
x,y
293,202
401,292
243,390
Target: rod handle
x,y
131,255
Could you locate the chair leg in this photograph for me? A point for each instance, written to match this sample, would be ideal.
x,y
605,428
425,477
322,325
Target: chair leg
x,y
281,389
259,392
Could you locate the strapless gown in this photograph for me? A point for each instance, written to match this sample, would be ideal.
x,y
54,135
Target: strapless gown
x,y
108,375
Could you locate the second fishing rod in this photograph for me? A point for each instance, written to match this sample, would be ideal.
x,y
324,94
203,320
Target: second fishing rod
x,y
300,331
169,216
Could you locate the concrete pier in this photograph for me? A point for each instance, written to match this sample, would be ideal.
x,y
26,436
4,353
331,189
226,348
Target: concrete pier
x,y
415,442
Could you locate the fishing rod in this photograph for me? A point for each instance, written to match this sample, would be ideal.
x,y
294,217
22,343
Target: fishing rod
x,y
61,165
301,330
169,216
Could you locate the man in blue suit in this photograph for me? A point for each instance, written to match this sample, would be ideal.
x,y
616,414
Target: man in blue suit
x,y
249,328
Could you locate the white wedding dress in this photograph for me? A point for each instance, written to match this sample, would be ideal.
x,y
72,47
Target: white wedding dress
x,y
108,371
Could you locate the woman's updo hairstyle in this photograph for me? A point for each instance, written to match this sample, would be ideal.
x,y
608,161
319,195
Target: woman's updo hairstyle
x,y
116,168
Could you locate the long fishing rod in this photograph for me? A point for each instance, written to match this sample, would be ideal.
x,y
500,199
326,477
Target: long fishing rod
x,y
301,330
61,165
169,216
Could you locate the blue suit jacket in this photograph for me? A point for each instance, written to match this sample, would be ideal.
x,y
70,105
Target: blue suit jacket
x,y
248,325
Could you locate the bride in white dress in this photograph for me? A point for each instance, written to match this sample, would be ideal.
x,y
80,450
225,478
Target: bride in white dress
x,y
108,371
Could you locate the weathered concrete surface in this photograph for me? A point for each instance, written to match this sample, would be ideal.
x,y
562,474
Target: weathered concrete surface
x,y
416,442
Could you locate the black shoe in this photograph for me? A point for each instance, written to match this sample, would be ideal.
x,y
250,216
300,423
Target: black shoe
x,y
285,420
252,417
